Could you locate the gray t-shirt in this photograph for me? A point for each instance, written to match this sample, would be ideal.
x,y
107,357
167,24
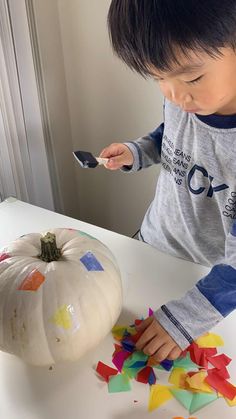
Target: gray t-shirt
x,y
192,214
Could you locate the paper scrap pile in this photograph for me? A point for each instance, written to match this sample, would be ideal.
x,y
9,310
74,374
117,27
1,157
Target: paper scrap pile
x,y
198,377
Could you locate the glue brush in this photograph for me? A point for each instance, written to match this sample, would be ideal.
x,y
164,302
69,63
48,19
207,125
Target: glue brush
x,y
87,160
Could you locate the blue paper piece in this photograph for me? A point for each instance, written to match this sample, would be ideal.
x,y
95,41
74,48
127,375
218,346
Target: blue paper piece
x,y
152,378
138,364
128,345
91,263
167,364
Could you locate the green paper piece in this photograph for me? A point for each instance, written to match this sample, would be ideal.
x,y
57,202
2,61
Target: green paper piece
x,y
200,400
185,363
183,396
132,372
136,356
119,383
82,233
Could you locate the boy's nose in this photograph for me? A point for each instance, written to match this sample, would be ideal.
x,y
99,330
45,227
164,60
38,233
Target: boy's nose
x,y
181,98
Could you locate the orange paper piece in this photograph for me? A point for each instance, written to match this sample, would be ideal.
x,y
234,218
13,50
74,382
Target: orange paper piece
x,y
177,377
196,382
32,282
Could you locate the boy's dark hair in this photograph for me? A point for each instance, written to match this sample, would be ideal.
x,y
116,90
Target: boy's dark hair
x,y
149,33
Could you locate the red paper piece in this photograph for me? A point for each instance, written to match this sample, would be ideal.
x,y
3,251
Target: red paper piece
x,y
200,355
219,361
4,256
105,371
221,385
137,322
222,373
144,374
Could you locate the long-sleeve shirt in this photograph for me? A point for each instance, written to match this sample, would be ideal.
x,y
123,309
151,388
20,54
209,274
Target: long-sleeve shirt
x,y
193,213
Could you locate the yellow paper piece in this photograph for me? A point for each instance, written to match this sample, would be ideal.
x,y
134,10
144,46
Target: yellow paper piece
x,y
177,377
118,332
209,340
62,317
159,395
196,382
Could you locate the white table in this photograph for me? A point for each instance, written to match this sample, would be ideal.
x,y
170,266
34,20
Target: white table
x,y
73,391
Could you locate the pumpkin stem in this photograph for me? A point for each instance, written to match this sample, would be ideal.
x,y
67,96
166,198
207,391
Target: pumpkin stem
x,y
49,250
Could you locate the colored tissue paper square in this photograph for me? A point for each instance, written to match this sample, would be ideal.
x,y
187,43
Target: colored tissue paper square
x,y
91,263
209,340
219,361
119,359
32,281
128,366
167,364
150,312
146,375
159,395
177,377
128,345
184,397
201,400
185,362
4,256
219,384
105,371
196,382
231,403
119,383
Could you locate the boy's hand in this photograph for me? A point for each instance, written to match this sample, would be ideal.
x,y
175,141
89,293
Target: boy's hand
x,y
156,342
118,154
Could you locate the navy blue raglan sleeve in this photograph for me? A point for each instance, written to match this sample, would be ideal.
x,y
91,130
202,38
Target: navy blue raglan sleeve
x,y
146,150
206,304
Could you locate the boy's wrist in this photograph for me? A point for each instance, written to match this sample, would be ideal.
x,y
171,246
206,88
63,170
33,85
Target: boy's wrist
x,y
136,155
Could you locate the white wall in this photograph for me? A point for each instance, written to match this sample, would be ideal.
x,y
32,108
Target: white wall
x,y
107,103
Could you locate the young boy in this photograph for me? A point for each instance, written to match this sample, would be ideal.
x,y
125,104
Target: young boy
x,y
189,47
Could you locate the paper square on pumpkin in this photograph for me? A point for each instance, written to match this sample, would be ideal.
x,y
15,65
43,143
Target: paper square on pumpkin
x,y
91,263
32,282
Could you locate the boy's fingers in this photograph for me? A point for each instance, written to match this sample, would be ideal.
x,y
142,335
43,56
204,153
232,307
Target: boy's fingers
x,y
163,352
145,323
175,353
146,336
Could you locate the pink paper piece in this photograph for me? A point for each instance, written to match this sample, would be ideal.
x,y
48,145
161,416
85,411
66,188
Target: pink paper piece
x,y
120,358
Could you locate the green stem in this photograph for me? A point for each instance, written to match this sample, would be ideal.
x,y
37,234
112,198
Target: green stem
x,y
49,250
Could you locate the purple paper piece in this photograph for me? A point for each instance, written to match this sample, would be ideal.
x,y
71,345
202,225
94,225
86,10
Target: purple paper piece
x,y
119,359
167,364
150,312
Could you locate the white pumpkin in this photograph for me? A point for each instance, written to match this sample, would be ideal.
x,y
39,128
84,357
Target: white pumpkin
x,y
58,308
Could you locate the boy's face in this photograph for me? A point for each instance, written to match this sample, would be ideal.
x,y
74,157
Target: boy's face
x,y
202,84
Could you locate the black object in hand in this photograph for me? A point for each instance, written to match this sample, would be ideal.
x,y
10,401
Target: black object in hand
x,y
85,159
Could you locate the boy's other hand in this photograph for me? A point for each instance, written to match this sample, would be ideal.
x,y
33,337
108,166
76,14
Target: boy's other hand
x,y
156,342
118,154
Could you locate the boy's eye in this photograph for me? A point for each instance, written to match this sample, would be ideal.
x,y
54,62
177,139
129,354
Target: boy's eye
x,y
195,80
